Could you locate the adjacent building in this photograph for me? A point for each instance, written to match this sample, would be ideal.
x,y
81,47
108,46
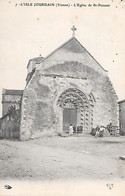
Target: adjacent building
x,y
122,117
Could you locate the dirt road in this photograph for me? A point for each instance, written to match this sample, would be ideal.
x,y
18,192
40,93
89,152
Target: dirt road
x,y
63,158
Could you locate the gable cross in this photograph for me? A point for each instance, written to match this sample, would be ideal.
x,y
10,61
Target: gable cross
x,y
73,30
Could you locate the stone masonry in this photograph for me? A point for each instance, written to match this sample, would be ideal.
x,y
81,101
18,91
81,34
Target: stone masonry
x,y
67,78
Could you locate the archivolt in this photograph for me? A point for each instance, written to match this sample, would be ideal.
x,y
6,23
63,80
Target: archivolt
x,y
79,100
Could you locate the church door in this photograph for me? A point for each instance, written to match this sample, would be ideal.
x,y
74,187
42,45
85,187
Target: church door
x,y
76,109
69,117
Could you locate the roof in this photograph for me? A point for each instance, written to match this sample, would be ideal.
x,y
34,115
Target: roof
x,y
36,59
12,92
73,45
121,101
76,48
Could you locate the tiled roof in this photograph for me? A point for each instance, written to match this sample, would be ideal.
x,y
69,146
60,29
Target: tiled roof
x,y
37,60
12,92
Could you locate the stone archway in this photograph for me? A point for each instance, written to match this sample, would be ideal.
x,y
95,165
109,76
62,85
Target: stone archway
x,y
77,109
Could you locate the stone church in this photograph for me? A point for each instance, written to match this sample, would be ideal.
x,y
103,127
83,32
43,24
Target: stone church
x,y
67,87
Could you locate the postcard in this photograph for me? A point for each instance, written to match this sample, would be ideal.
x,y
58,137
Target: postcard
x,y
62,111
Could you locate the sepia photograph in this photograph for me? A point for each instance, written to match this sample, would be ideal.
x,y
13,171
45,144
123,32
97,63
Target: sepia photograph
x,y
62,95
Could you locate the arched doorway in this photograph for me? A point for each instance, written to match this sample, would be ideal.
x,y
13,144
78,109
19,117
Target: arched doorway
x,y
69,114
76,110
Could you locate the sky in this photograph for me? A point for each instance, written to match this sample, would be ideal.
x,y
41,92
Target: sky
x,y
28,31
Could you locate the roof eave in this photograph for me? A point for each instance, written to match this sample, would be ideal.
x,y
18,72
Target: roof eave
x,y
122,101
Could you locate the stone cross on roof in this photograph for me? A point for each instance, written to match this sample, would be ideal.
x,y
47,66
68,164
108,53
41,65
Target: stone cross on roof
x,y
73,30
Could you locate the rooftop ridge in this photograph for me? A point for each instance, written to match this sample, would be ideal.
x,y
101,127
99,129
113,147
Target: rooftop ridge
x,y
12,92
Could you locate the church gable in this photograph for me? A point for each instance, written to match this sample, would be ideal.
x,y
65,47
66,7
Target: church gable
x,y
73,46
71,51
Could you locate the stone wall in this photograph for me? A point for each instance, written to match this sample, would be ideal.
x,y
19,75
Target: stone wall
x,y
40,111
10,125
10,99
68,67
0,129
122,117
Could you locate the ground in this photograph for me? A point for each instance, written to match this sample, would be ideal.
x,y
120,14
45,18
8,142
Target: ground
x,y
52,158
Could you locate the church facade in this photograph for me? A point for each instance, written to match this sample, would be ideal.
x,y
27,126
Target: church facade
x,y
67,87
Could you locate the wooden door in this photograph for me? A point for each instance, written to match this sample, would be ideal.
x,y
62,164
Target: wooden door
x,y
69,117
